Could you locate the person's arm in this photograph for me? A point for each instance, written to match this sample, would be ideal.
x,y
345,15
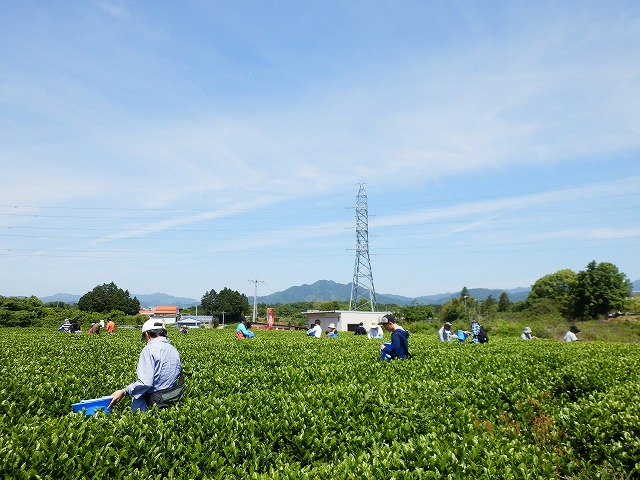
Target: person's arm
x,y
396,346
144,371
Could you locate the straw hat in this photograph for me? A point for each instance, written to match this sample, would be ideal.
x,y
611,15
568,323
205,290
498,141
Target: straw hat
x,y
332,325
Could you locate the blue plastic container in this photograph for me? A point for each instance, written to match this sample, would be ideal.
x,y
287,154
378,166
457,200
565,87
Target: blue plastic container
x,y
384,355
93,405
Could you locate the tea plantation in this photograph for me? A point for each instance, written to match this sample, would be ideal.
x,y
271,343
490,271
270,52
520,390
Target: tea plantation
x,y
286,406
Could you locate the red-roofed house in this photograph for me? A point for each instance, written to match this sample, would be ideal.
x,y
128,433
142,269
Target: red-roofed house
x,y
167,313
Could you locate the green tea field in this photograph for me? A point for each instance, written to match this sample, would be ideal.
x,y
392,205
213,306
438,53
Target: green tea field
x,y
285,406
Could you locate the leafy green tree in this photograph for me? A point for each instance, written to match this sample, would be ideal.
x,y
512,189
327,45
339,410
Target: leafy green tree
x,y
633,306
20,312
107,297
504,304
117,316
285,310
56,304
208,302
453,310
464,292
489,306
599,289
556,287
332,305
234,305
418,312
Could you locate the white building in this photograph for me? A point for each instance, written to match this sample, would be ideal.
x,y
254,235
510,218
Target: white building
x,y
345,320
193,321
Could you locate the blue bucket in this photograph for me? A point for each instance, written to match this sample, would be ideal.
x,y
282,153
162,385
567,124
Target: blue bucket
x,y
384,355
93,405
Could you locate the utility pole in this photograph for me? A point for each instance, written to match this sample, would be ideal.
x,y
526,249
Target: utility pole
x,y
362,284
465,307
255,298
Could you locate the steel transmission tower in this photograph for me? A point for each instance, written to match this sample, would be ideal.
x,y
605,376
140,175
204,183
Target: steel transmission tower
x,y
362,285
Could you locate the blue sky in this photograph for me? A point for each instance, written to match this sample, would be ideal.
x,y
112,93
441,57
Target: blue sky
x,y
179,147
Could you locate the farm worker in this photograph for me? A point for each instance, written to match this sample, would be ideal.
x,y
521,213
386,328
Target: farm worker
x,y
316,330
242,331
445,334
399,347
75,328
570,336
95,329
66,326
111,326
332,331
526,334
360,330
375,330
159,371
478,333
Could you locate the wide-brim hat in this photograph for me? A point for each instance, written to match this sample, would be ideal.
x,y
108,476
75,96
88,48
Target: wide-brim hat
x,y
374,324
527,330
332,325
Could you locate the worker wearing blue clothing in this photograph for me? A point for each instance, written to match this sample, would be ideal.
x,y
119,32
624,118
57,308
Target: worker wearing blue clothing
x,y
399,347
159,367
243,329
475,331
478,333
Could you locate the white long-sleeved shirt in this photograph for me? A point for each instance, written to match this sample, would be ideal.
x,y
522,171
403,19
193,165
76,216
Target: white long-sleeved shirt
x,y
375,332
445,335
315,331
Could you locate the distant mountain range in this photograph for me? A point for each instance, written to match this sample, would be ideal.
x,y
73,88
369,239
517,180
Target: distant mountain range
x,y
321,291
327,290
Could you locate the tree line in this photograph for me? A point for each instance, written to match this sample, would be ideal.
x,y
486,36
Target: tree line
x,y
595,292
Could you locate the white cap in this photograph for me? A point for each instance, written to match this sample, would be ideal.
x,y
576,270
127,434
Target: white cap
x,y
152,324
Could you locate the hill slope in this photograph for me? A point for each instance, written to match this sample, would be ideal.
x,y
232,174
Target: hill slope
x,y
322,291
327,290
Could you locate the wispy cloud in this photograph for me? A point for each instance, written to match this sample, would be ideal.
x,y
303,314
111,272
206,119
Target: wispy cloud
x,y
117,9
470,126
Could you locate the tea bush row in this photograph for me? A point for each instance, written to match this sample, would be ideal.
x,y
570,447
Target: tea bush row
x,y
287,406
